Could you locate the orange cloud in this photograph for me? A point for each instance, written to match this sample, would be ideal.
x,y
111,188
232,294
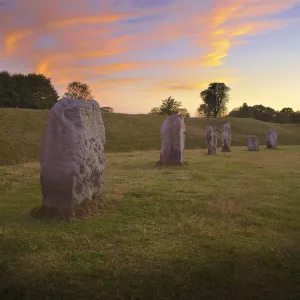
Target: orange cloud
x,y
117,67
180,84
221,15
42,68
121,80
185,86
11,40
94,19
163,86
233,19
110,47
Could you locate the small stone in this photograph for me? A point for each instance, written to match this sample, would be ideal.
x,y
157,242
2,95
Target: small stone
x,y
271,138
211,138
226,137
66,179
173,137
252,143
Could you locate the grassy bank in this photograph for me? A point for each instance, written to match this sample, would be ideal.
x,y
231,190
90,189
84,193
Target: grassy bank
x,y
224,227
21,131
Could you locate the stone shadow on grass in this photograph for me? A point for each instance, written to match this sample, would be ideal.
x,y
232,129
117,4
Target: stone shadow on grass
x,y
96,206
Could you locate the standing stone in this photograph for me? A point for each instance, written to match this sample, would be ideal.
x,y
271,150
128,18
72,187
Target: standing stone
x,y
252,143
271,138
226,137
72,154
211,138
172,147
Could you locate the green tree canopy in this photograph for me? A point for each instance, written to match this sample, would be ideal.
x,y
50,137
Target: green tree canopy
x,y
215,99
155,111
33,91
169,107
286,115
8,95
203,111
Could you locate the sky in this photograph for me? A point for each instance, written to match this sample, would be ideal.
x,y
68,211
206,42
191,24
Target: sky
x,y
135,53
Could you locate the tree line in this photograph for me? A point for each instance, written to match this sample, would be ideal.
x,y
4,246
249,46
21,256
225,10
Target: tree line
x,y
266,114
35,91
214,105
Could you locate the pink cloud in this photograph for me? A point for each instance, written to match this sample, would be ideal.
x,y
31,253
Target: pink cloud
x,y
92,44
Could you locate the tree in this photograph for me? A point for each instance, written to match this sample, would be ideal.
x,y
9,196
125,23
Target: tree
x,y
79,90
155,111
26,91
296,117
245,111
203,111
263,113
169,106
233,113
8,96
40,94
286,115
184,112
216,96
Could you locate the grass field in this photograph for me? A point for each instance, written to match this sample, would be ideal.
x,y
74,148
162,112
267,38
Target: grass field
x,y
224,227
21,131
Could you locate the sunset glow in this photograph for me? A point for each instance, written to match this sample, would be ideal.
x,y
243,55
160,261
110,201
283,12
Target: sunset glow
x,y
135,53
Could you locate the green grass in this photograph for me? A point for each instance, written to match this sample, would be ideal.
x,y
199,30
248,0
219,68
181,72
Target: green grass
x,y
224,227
21,131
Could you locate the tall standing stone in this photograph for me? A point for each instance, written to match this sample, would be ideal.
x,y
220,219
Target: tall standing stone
x,y
252,143
271,138
172,147
226,137
72,154
211,138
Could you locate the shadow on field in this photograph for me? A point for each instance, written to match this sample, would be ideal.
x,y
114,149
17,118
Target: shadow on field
x,y
232,276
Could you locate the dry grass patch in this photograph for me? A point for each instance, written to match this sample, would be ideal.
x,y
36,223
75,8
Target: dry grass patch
x,y
226,208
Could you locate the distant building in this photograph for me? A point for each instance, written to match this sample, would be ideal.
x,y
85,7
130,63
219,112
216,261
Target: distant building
x,y
107,109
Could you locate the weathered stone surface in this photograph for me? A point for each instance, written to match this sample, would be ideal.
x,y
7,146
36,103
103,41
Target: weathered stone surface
x,y
173,137
226,137
271,138
252,143
72,154
211,138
